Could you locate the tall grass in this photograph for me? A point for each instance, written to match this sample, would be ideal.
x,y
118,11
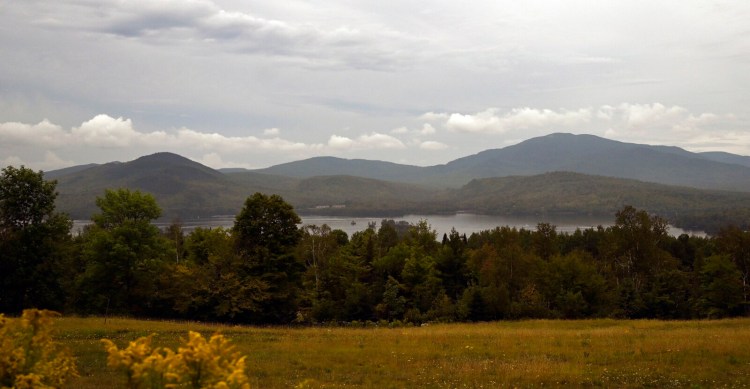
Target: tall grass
x,y
591,353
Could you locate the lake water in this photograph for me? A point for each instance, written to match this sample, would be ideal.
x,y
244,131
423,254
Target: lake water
x,y
464,223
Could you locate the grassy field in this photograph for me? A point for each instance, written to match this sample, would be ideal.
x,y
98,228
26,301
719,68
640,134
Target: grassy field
x,y
540,353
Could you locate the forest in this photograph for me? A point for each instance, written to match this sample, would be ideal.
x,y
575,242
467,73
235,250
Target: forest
x,y
267,269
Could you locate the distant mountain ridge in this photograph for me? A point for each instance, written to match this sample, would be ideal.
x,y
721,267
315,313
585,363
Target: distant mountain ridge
x,y
182,186
332,166
720,156
508,181
187,189
586,154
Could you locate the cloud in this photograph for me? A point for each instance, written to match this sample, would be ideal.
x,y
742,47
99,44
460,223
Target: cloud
x,y
433,116
271,131
203,22
50,161
106,131
652,123
427,129
186,137
43,133
492,120
625,118
340,142
372,141
380,141
648,119
636,115
432,145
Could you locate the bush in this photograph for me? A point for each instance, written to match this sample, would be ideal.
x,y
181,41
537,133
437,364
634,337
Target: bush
x,y
198,364
29,357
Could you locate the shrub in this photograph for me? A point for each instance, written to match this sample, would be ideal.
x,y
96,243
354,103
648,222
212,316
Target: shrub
x,y
197,364
29,358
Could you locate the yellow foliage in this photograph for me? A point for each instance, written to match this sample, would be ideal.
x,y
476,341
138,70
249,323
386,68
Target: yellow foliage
x,y
29,358
196,364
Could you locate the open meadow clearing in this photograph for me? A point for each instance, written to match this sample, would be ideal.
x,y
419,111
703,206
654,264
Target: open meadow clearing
x,y
592,353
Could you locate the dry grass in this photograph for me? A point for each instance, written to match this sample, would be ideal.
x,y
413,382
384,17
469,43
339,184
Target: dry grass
x,y
588,353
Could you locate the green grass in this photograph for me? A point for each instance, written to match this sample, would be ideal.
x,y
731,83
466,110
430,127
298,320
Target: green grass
x,y
586,353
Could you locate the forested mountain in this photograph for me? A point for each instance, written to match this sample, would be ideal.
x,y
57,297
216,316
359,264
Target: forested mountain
x,y
587,154
332,166
565,193
720,156
590,154
53,174
187,189
181,186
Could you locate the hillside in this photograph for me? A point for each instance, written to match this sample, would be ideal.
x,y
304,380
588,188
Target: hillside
x,y
514,180
181,186
723,157
565,193
332,166
593,155
188,190
587,154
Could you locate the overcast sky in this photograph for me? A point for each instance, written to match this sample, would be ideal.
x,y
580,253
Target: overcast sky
x,y
256,83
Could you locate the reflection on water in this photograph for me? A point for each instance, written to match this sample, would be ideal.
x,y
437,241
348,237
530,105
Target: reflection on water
x,y
464,223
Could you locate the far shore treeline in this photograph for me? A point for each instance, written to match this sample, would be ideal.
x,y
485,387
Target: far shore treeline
x,y
267,270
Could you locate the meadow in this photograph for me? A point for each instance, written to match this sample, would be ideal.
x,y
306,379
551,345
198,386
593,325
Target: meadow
x,y
538,353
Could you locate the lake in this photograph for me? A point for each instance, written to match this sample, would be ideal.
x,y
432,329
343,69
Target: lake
x,y
464,223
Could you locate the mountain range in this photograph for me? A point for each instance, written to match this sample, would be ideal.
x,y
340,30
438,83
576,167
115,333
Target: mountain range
x,y
554,174
586,154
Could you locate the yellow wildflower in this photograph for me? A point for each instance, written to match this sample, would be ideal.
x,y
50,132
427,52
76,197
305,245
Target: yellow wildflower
x,y
197,364
30,358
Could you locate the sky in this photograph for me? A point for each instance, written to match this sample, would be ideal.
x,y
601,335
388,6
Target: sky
x,y
255,83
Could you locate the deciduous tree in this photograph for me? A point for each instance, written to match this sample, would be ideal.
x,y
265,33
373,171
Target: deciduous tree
x,y
34,240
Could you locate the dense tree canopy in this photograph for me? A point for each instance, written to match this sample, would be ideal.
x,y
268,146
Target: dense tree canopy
x,y
34,241
123,255
269,269
266,234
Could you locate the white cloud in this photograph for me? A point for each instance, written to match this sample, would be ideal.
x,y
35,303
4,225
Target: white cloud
x,y
106,131
50,162
636,115
365,142
427,129
434,117
186,137
653,119
43,133
432,145
652,123
340,142
380,141
492,120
